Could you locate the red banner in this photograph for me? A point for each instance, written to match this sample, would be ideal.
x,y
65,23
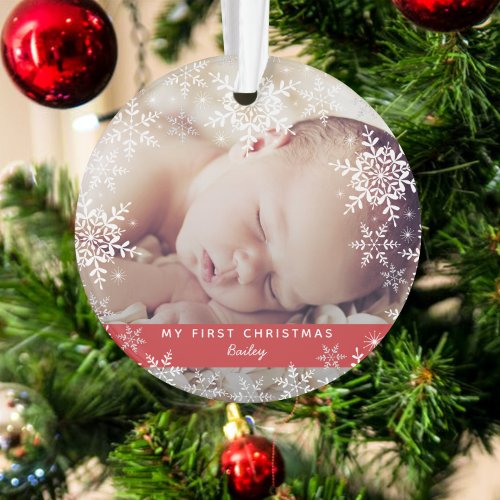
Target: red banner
x,y
200,346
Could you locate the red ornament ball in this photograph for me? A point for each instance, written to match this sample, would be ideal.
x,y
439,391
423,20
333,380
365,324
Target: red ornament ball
x,y
248,463
60,53
446,15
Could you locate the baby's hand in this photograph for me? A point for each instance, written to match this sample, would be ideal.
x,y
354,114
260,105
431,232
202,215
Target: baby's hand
x,y
153,285
184,285
184,312
212,313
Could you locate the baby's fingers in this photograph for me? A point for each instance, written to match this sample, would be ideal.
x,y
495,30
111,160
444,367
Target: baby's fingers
x,y
166,313
185,313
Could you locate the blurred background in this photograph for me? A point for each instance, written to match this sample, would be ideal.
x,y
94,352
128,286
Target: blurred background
x,y
39,133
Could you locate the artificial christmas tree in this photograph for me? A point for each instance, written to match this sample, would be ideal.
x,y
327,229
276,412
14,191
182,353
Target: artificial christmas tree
x,y
428,391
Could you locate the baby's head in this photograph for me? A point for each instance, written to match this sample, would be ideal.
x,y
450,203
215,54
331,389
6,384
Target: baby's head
x,y
269,231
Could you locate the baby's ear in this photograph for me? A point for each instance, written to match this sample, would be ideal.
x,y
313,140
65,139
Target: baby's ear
x,y
266,143
271,139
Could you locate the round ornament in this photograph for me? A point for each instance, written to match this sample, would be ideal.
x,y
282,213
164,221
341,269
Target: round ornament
x,y
253,464
248,463
247,252
446,15
60,53
27,438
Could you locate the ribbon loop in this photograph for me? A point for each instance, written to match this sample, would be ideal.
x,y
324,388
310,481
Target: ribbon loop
x,y
245,27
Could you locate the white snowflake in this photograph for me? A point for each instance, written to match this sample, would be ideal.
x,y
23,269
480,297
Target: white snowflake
x,y
295,383
263,114
327,380
103,170
380,175
392,313
331,356
321,100
163,368
409,213
394,277
349,140
409,253
308,69
201,100
408,234
250,392
357,357
182,126
118,275
374,245
220,139
407,292
152,100
131,339
205,385
100,306
282,68
130,127
187,77
364,111
373,340
98,238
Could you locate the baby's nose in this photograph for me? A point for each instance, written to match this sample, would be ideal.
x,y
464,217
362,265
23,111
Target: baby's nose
x,y
248,266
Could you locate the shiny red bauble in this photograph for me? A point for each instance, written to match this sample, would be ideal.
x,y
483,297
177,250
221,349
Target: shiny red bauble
x,y
60,53
446,15
249,464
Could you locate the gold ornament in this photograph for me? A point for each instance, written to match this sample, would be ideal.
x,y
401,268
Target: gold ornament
x,y
236,425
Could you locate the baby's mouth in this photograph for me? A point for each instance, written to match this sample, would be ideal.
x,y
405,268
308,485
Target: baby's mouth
x,y
207,267
211,274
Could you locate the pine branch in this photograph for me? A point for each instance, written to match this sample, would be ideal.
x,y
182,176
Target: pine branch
x,y
333,34
443,74
476,238
40,288
319,486
402,394
178,455
420,402
175,24
333,407
52,341
439,94
175,454
447,176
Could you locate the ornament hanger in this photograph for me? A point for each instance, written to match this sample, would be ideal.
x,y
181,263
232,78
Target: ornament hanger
x,y
140,37
245,27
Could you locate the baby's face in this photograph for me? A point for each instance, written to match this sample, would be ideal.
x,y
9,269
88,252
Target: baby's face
x,y
265,235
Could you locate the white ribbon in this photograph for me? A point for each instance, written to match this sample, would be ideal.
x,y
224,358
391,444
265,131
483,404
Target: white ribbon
x,y
245,27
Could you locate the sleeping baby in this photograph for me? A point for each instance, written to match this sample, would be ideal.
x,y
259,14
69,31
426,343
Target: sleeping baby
x,y
251,239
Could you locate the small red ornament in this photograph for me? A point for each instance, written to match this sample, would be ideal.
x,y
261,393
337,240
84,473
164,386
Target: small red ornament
x,y
252,464
60,53
248,463
446,15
